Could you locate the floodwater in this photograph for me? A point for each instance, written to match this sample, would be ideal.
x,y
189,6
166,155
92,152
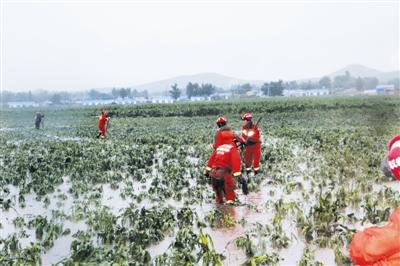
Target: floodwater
x,y
223,238
255,209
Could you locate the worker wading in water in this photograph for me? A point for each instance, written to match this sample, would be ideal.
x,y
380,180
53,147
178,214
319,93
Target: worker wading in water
x,y
223,165
380,245
252,142
224,133
103,122
39,118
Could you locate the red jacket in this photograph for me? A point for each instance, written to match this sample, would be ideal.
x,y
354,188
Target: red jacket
x,y
251,135
224,135
225,156
102,120
394,156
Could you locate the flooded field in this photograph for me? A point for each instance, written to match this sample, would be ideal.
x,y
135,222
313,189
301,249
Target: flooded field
x,y
140,197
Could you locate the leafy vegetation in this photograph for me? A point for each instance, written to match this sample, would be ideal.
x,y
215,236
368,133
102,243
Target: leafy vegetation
x,y
140,197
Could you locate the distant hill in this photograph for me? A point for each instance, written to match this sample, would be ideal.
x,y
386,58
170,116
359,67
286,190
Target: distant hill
x,y
226,82
363,71
218,80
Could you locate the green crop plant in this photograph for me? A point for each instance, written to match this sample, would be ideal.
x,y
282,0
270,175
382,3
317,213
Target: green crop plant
x,y
144,185
220,218
208,253
308,258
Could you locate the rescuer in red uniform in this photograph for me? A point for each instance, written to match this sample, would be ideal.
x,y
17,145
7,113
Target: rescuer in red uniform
x,y
393,157
103,119
224,164
252,151
224,134
378,245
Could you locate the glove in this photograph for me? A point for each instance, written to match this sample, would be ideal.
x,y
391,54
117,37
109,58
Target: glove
x,y
243,183
207,177
241,145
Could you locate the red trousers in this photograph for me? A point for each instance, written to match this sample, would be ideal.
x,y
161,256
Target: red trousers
x,y
102,131
223,185
252,156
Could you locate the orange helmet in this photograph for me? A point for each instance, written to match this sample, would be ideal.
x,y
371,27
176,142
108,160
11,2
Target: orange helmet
x,y
247,116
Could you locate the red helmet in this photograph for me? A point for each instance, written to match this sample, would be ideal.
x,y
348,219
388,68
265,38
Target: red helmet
x,y
221,120
247,116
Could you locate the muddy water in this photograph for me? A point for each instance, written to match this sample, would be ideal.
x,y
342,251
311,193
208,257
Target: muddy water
x,y
224,238
33,208
61,248
394,185
254,209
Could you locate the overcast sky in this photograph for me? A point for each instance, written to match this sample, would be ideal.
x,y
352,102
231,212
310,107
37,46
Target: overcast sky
x,y
74,46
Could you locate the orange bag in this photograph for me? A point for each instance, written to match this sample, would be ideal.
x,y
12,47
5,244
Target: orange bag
x,y
378,246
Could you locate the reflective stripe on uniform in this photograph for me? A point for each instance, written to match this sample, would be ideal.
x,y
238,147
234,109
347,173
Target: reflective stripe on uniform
x,y
395,145
224,148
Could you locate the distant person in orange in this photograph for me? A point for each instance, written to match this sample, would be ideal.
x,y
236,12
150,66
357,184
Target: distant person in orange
x,y
103,122
252,141
224,134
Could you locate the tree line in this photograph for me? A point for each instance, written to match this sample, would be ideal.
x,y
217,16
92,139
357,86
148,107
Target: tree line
x,y
193,90
117,93
207,89
273,88
276,88
346,81
62,97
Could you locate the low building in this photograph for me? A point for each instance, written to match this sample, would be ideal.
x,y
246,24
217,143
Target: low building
x,y
22,104
382,90
221,96
90,102
161,99
370,92
137,100
124,101
198,98
304,93
386,89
